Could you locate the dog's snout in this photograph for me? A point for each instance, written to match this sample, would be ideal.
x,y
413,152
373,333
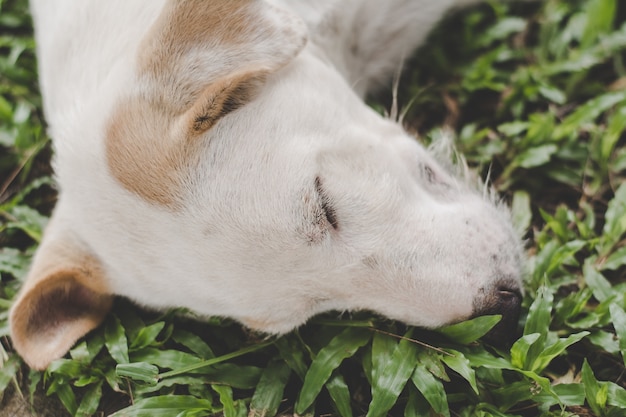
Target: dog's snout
x,y
505,301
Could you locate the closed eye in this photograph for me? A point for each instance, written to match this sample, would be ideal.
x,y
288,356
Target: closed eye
x,y
327,208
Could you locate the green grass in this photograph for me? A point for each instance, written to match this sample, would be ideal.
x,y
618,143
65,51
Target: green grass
x,y
537,94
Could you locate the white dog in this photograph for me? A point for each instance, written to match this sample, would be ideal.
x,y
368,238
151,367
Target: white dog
x,y
217,155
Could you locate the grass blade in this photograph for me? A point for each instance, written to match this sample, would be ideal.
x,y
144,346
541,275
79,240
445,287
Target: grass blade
x,y
139,371
269,391
90,401
340,394
461,365
619,323
432,389
342,346
115,340
470,330
166,406
392,374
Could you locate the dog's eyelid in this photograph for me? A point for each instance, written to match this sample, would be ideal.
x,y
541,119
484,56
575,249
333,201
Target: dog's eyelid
x,y
326,203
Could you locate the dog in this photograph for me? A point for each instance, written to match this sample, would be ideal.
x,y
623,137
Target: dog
x,y
218,155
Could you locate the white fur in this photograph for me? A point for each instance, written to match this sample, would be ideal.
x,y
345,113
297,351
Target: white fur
x,y
414,241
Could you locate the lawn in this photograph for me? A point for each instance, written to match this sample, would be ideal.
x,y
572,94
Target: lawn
x,y
536,93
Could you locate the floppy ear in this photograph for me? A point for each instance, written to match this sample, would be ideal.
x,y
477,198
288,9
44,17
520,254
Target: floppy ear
x,y
209,58
64,297
200,61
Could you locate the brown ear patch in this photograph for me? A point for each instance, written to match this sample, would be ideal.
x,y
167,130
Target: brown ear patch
x,y
199,62
51,317
149,154
64,297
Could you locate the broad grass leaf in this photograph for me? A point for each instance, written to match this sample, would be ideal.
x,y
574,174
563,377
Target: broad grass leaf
x,y
535,156
519,350
552,256
552,93
90,401
237,376
64,392
510,394
6,115
596,393
487,410
138,371
87,350
416,405
431,359
538,321
614,221
290,350
600,16
618,316
269,390
115,340
617,395
28,220
587,113
615,261
432,389
605,341
147,336
194,343
243,377
543,384
391,374
340,394
485,359
234,375
342,346
600,286
614,130
8,371
202,365
502,29
383,346
514,128
520,211
461,365
231,408
165,358
556,349
67,367
572,306
166,406
470,330
14,262
25,191
568,394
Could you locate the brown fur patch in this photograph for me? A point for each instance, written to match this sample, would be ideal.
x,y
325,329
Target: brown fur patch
x,y
142,155
150,145
65,297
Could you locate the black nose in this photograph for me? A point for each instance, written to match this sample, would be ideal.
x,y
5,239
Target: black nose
x,y
507,302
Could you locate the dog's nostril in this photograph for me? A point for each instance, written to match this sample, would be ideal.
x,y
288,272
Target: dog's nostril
x,y
506,302
508,296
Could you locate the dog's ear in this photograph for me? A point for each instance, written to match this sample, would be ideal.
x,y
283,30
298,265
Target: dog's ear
x,y
210,58
64,297
200,61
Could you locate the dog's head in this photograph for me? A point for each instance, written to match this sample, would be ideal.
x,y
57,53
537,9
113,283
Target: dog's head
x,y
235,174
